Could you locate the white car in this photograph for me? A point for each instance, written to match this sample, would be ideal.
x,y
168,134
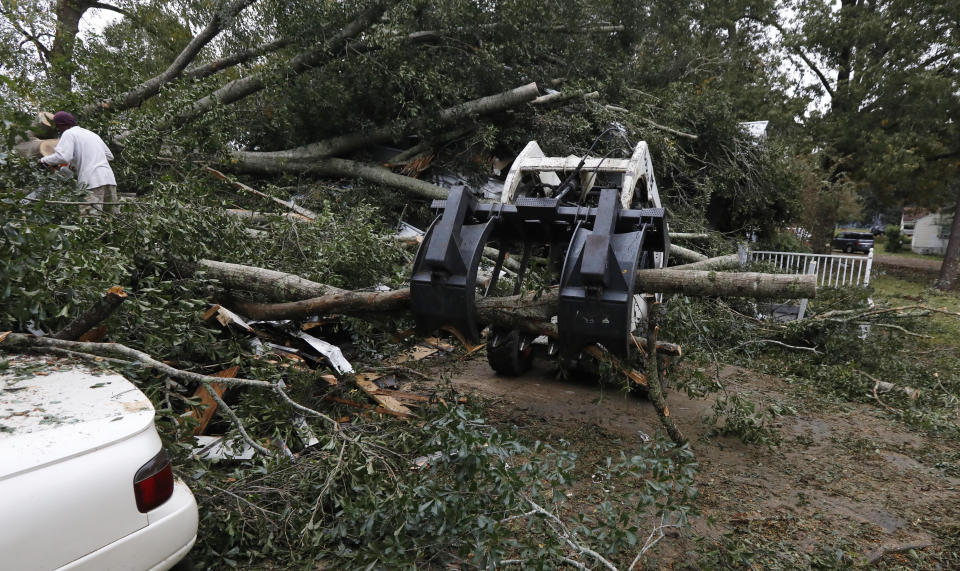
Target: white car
x,y
84,481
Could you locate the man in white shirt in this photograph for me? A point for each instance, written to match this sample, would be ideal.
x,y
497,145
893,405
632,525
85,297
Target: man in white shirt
x,y
88,155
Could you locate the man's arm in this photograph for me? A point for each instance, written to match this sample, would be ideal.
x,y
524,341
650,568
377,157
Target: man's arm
x,y
106,151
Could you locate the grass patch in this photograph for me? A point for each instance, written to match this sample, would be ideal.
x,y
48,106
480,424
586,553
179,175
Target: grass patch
x,y
880,247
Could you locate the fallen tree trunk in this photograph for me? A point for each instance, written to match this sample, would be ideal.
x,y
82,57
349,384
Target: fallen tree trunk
x,y
426,145
561,96
353,141
265,217
524,308
699,283
719,263
270,284
347,302
685,253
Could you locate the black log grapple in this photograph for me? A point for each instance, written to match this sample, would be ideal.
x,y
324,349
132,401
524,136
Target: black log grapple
x,y
593,253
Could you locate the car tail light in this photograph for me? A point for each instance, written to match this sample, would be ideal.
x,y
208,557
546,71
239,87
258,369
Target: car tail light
x,y
153,483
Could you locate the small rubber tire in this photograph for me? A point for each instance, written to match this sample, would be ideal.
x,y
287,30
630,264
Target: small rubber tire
x,y
848,249
509,352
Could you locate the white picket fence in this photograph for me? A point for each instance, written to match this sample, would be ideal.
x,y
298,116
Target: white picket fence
x,y
832,270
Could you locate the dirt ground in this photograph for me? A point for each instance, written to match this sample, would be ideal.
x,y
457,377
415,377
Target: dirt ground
x,y
847,475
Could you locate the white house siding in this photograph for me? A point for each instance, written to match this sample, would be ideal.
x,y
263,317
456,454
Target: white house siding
x,y
930,234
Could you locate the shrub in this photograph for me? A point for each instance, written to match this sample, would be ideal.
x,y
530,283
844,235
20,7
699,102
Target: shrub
x,y
894,238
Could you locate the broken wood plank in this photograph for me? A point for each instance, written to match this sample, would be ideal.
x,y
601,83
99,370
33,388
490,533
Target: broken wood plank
x,y
208,406
330,379
94,335
470,347
227,318
426,348
366,384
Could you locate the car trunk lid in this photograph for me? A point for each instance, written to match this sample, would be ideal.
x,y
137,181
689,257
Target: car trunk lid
x,y
48,416
71,441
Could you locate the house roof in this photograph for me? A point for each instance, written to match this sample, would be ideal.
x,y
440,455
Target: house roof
x,y
911,213
757,129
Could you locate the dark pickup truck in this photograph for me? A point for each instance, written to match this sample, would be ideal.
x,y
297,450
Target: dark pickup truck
x,y
853,242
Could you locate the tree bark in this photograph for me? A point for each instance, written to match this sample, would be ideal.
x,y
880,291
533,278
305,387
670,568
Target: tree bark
x,y
522,311
60,72
341,168
222,19
207,69
949,279
699,283
343,302
353,141
686,254
103,309
240,88
719,263
269,284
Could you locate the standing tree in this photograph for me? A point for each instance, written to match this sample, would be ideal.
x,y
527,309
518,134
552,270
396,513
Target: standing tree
x,y
888,73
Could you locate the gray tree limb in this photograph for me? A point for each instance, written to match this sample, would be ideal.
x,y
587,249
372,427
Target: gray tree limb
x,y
302,62
210,68
350,142
342,168
222,19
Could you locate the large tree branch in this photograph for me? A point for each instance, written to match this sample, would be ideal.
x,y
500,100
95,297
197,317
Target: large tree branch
x,y
798,51
353,141
109,8
222,19
206,69
523,307
240,88
269,284
719,263
34,39
340,168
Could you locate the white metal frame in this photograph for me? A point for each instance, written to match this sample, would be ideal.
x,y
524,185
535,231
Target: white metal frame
x,y
639,167
832,270
532,160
